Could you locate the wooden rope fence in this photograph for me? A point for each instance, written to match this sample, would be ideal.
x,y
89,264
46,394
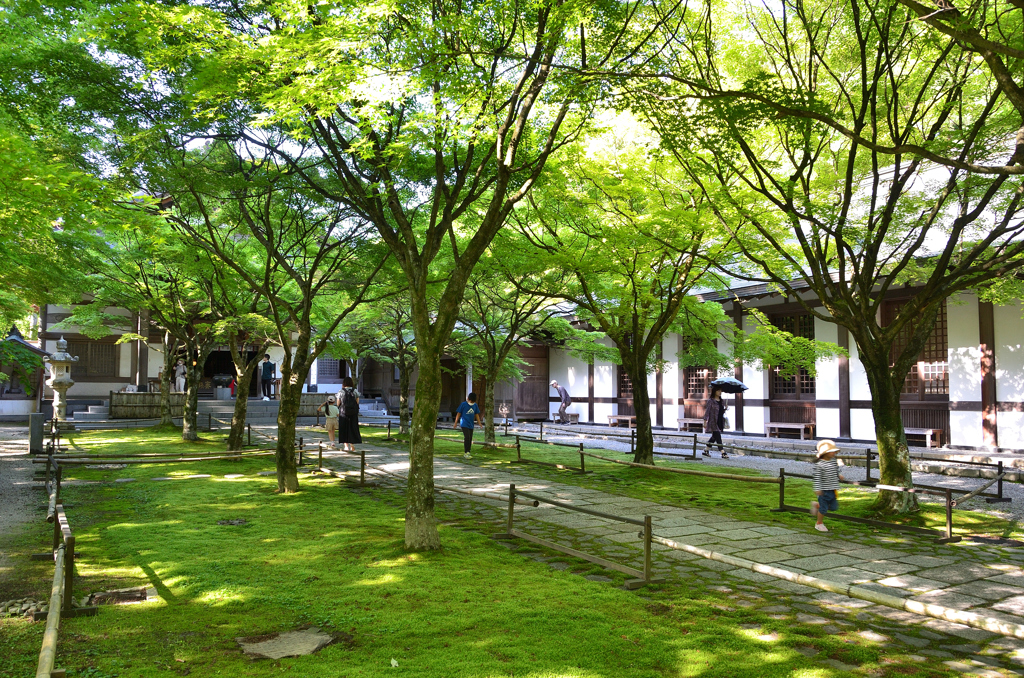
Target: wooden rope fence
x,y
946,536
690,472
643,578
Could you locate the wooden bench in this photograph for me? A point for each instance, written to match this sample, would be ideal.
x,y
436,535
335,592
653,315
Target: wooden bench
x,y
614,419
929,435
777,426
687,424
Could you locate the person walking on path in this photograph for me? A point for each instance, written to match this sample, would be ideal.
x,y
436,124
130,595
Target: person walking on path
x,y
466,417
333,413
348,423
565,399
714,421
268,371
826,482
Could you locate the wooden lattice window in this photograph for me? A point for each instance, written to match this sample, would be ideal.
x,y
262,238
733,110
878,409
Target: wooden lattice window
x,y
929,376
697,380
328,370
801,386
625,384
94,359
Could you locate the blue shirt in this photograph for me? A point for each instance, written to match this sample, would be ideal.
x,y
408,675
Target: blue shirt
x,y
467,414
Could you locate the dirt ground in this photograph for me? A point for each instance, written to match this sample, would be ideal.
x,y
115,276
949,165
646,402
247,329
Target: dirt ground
x,y
18,501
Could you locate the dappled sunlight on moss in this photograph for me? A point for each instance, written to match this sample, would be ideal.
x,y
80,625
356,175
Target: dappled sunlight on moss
x,y
222,596
142,526
379,581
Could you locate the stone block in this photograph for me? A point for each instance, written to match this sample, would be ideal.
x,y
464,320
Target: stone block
x,y
823,561
35,433
957,601
886,568
912,583
989,590
959,573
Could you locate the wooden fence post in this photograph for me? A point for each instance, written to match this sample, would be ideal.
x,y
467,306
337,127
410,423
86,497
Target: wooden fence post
x,y
583,468
949,513
511,506
648,531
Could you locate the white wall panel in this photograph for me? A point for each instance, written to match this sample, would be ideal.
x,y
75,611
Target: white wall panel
x,y
826,422
1009,331
862,425
965,428
964,351
1011,429
827,377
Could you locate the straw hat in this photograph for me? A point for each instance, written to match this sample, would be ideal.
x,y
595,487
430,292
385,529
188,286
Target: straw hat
x,y
826,447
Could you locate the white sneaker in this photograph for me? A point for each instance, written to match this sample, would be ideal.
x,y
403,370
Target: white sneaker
x,y
820,527
266,398
467,455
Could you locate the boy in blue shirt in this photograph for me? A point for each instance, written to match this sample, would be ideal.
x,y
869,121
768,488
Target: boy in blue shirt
x,y
466,417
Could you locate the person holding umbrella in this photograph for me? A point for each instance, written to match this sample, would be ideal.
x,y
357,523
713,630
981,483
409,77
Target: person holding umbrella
x,y
714,420
714,411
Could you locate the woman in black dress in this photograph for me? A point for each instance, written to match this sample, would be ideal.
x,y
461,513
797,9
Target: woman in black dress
x,y
714,421
348,420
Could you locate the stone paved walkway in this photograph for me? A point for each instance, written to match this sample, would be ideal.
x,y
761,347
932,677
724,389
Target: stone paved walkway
x,y
984,579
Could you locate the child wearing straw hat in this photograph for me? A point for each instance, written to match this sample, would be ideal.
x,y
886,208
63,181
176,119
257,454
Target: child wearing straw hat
x,y
826,482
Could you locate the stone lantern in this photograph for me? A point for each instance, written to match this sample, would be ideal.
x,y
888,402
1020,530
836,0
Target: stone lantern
x,y
60,379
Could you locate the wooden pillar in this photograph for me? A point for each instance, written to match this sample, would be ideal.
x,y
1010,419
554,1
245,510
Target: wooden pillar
x,y
737,317
844,384
987,332
659,391
590,392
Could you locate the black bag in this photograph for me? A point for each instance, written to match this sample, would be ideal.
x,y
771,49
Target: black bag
x,y
349,404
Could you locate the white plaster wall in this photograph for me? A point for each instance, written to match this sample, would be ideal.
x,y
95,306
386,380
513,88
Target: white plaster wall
x,y
571,373
1009,354
964,353
965,428
604,386
755,378
862,425
754,418
859,388
827,422
124,354
670,379
156,360
10,407
827,378
1011,429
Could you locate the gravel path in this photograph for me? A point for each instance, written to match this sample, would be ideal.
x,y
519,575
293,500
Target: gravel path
x,y
17,501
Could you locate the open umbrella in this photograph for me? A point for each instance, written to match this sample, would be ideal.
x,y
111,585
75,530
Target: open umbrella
x,y
729,385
